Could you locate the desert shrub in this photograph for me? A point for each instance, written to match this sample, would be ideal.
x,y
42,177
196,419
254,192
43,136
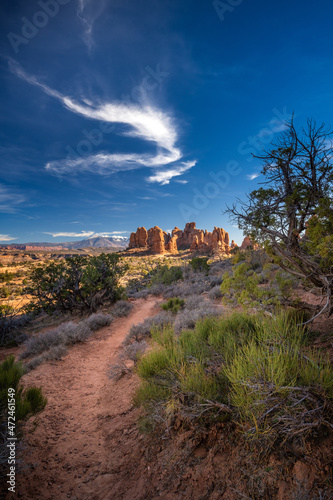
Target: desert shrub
x,y
118,370
5,292
122,308
54,353
199,264
166,275
77,283
188,318
250,289
134,351
143,330
238,257
157,289
140,294
215,293
252,369
11,323
27,402
194,302
172,291
66,334
6,277
174,305
98,320
215,281
219,267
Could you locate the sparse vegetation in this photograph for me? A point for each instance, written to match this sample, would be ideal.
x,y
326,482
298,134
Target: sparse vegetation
x,y
292,214
142,330
121,308
27,402
174,305
12,322
253,285
65,334
199,264
251,369
77,283
166,275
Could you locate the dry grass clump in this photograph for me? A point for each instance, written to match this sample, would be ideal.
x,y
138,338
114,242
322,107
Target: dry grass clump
x,y
121,308
54,353
118,370
140,294
97,321
196,308
215,293
252,369
66,334
143,330
134,351
11,323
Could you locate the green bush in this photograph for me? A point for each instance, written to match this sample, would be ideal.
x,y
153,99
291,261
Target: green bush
x,y
5,292
166,275
264,290
199,264
6,277
26,402
254,369
174,305
77,283
11,323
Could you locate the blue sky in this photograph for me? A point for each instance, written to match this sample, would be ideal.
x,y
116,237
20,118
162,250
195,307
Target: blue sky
x,y
117,114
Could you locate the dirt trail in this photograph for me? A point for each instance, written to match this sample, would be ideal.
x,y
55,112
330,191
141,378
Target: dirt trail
x,y
85,444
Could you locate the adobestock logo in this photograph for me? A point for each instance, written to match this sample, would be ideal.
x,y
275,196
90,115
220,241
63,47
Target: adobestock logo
x,y
30,28
222,8
219,181
212,189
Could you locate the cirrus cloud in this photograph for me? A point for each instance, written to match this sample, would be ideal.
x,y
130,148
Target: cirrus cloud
x,y
164,177
6,237
146,123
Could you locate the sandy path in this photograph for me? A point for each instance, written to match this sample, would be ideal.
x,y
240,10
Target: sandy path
x,y
85,444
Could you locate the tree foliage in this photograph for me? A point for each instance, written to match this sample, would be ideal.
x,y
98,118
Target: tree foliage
x,y
77,283
292,214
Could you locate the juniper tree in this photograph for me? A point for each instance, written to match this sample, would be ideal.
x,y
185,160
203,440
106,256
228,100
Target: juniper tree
x,y
292,213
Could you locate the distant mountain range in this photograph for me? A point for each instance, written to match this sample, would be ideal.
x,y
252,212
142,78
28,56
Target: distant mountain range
x,y
99,242
120,242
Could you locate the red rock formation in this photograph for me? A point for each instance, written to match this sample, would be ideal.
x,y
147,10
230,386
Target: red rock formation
x,y
171,246
220,243
195,243
248,243
139,239
157,239
191,238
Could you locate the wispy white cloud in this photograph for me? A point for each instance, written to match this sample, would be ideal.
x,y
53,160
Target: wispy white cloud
x,y
87,234
83,234
10,200
147,123
146,198
181,182
88,12
164,177
6,237
253,176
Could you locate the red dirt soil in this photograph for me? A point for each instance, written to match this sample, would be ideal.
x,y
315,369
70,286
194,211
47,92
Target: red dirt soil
x,y
85,444
76,448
